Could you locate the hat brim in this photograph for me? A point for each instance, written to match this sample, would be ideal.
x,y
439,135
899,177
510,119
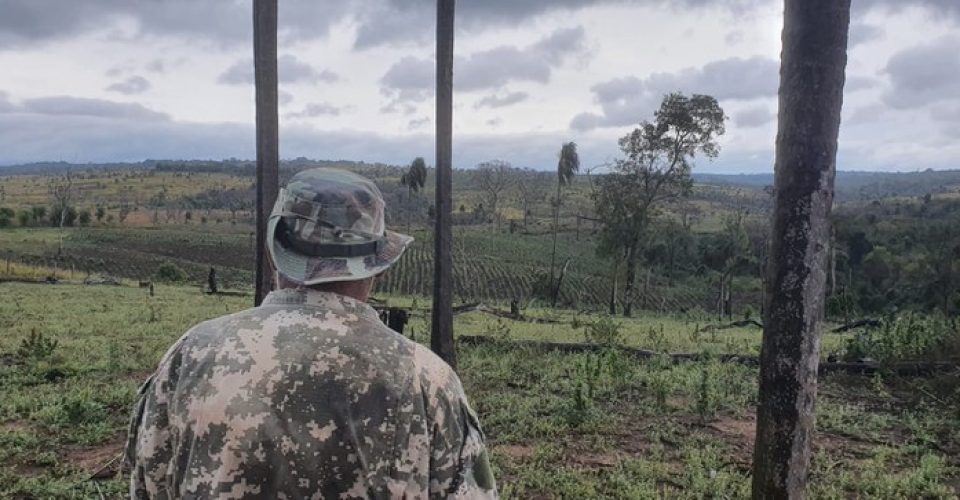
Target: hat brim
x,y
310,270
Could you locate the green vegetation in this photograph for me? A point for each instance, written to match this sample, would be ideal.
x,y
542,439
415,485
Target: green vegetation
x,y
559,425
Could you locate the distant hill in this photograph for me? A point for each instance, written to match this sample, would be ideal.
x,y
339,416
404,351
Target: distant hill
x,y
852,185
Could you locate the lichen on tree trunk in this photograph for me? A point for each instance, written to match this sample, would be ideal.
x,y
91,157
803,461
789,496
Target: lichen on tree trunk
x,y
813,62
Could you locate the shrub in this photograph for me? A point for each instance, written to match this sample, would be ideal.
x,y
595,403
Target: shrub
x,y
36,347
908,336
604,331
170,272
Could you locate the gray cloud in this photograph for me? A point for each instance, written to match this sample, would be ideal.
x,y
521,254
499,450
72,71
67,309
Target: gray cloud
x,y
379,21
855,83
392,21
315,109
223,23
157,66
27,137
940,113
418,122
753,117
629,99
135,84
499,101
924,74
289,69
90,108
412,79
862,33
5,105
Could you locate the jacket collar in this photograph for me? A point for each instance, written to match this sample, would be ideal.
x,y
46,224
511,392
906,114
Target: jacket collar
x,y
323,300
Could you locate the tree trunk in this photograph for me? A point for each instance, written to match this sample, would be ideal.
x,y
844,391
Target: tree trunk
x,y
441,333
556,225
613,288
268,148
813,61
833,263
720,299
630,278
556,289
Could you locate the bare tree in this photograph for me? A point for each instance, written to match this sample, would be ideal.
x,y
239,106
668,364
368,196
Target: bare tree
x,y
62,192
494,176
813,62
441,327
530,191
268,132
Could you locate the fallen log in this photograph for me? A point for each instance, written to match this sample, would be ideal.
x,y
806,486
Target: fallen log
x,y
736,324
871,323
917,368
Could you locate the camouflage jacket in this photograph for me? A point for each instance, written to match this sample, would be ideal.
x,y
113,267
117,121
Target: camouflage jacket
x,y
306,396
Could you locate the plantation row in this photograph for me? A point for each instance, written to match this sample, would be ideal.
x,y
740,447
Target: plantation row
x,y
486,279
489,266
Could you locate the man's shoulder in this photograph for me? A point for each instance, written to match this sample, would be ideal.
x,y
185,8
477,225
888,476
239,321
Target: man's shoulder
x,y
436,378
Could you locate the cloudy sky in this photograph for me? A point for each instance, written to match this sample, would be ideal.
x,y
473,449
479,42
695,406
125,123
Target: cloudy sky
x,y
127,80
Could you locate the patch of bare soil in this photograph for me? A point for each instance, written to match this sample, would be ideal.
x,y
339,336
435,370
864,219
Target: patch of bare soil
x,y
596,460
101,462
14,426
517,452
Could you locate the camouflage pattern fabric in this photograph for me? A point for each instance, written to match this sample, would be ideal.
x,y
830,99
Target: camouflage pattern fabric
x,y
336,208
306,396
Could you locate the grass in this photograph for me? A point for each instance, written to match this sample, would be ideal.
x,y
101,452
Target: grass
x,y
559,425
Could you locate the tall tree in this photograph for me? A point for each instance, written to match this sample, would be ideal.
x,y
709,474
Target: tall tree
x,y
813,61
61,190
441,327
530,191
413,179
567,167
268,132
493,177
655,170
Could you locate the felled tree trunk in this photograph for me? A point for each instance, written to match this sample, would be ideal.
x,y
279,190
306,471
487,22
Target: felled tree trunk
x,y
813,62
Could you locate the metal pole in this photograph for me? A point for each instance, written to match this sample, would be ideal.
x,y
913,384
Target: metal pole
x,y
441,335
813,62
268,149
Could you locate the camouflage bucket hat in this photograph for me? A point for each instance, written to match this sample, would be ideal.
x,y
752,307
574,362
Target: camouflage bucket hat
x,y
328,225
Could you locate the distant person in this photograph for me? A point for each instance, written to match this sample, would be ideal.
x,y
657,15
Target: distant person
x,y
212,280
309,395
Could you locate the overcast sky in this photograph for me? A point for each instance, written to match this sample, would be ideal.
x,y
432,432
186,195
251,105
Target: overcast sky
x,y
127,80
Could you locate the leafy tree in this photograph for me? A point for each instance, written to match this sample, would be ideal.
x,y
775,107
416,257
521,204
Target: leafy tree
x,y
655,170
84,217
6,217
567,166
23,217
414,179
101,212
38,214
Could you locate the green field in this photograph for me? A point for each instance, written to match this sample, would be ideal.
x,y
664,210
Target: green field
x,y
559,425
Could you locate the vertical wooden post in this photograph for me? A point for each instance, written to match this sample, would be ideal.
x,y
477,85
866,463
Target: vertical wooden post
x,y
813,62
268,135
441,334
